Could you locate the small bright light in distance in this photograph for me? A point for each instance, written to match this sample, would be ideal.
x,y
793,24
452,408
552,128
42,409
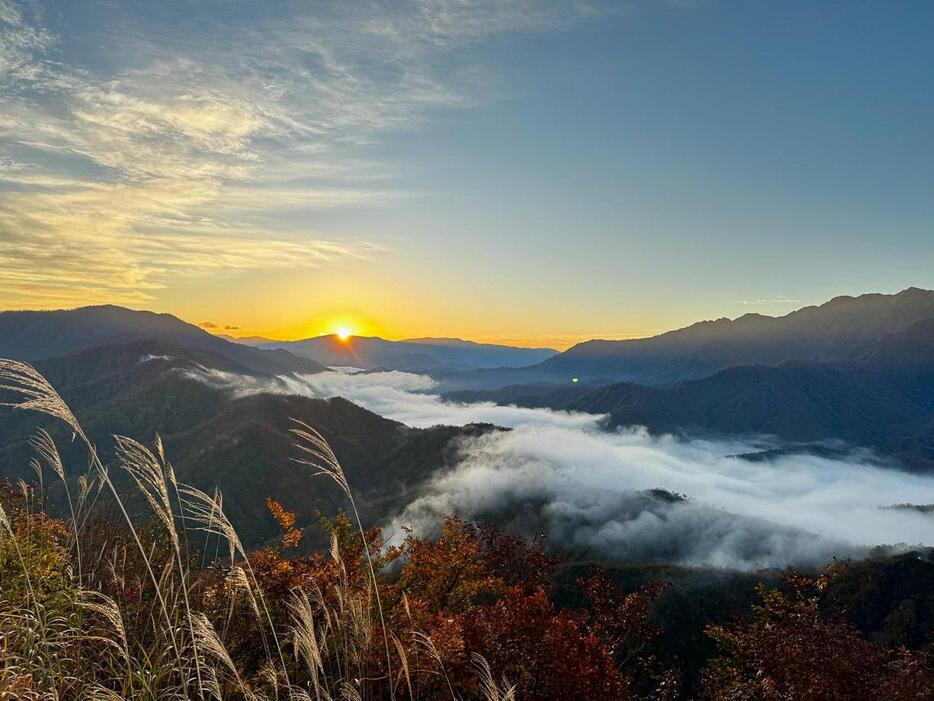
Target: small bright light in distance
x,y
343,333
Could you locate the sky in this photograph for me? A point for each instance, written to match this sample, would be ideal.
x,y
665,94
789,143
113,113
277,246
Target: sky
x,y
525,172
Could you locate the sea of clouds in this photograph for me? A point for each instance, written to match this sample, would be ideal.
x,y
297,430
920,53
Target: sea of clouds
x,y
588,489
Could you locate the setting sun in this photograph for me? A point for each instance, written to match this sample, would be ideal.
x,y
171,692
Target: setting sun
x,y
343,332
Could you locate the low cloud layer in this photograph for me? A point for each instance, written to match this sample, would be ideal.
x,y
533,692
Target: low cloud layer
x,y
589,489
400,396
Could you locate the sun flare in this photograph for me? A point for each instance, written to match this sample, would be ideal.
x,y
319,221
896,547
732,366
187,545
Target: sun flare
x,y
343,332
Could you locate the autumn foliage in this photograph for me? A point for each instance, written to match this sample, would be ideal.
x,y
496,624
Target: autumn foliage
x,y
103,605
475,590
471,592
790,649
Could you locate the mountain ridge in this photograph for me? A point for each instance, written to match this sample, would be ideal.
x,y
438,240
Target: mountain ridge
x,y
216,437
411,355
884,400
41,335
844,328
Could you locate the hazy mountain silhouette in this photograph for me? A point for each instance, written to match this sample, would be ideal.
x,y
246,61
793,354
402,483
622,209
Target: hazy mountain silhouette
x,y
845,328
415,355
883,400
245,340
867,379
37,335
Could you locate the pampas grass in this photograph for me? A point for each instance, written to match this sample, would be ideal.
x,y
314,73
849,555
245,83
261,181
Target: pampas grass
x,y
70,638
320,457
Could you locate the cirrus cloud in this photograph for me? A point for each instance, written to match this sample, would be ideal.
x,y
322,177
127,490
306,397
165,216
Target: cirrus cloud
x,y
189,139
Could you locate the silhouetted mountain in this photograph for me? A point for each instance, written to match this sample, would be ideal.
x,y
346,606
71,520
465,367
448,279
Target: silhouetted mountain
x,y
797,401
908,359
416,355
884,400
239,444
133,373
31,336
845,328
245,340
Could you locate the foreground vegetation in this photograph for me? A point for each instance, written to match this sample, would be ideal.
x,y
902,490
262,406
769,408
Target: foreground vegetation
x,y
105,604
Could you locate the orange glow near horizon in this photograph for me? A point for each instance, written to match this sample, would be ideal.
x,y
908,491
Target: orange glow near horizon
x,y
347,324
343,324
557,342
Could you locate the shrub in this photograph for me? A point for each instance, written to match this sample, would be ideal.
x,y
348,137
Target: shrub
x,y
790,649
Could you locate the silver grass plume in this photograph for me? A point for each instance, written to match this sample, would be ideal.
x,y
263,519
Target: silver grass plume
x,y
318,455
148,472
208,641
490,690
108,609
36,392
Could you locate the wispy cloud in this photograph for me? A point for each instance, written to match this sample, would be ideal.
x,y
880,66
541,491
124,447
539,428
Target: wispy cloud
x,y
190,141
213,326
94,242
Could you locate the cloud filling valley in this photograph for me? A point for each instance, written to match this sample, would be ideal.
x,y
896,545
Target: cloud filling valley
x,y
618,493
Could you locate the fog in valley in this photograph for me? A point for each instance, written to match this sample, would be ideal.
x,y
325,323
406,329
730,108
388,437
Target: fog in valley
x,y
590,489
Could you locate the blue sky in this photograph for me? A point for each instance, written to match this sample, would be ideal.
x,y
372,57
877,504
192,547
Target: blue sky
x,y
521,171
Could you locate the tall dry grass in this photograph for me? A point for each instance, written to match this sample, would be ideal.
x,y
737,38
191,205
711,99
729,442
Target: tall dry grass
x,y
89,611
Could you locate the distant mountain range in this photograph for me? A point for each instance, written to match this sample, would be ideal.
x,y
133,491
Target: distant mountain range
x,y
32,335
842,329
414,355
883,400
859,370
